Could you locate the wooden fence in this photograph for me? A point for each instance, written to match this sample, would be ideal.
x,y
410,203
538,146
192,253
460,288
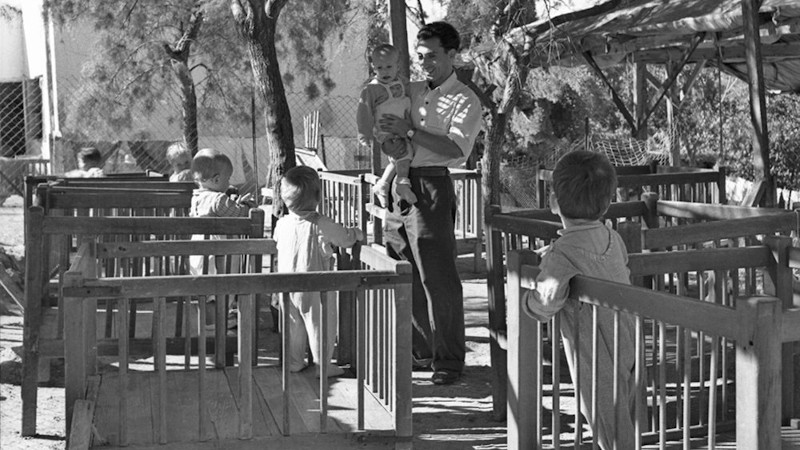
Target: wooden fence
x,y
382,293
347,197
666,225
52,237
688,399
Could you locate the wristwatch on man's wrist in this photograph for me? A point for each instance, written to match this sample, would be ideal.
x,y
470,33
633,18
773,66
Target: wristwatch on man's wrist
x,y
410,133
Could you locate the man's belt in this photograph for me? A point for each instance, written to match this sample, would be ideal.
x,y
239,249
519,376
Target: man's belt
x,y
428,171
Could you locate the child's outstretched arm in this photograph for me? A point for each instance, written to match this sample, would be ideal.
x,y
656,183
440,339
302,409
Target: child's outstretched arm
x,y
336,233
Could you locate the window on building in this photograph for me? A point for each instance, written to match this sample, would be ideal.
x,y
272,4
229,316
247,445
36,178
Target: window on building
x,y
20,116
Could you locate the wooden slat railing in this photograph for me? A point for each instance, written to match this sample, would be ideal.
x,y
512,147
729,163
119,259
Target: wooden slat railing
x,y
383,282
753,323
667,225
44,226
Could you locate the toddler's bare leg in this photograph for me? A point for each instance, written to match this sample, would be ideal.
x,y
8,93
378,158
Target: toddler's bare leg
x,y
381,187
403,183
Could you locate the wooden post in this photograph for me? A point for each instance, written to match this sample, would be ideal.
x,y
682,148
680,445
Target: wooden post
x,y
32,322
758,377
402,364
640,99
74,352
779,283
758,104
497,313
523,338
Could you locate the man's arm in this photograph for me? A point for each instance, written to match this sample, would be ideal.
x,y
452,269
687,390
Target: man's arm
x,y
442,145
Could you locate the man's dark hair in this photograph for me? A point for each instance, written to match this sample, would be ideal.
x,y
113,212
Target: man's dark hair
x,y
447,34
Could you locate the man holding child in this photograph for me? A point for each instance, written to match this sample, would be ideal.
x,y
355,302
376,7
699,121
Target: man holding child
x,y
444,121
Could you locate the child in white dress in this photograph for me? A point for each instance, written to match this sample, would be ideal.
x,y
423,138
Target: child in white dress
x,y
304,239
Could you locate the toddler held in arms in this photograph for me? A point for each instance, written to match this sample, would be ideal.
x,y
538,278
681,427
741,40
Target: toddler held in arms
x,y
583,186
386,93
304,240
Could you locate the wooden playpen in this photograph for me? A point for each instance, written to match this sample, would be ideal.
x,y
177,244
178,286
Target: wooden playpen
x,y
737,390
59,220
253,399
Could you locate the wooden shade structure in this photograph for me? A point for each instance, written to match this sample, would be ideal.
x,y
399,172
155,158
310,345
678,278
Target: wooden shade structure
x,y
756,41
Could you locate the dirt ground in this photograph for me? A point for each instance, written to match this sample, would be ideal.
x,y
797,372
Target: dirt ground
x,y
445,417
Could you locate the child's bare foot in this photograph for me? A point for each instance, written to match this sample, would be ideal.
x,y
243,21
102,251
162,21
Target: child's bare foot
x,y
405,193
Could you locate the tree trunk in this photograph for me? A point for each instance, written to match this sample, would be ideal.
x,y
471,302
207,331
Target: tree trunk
x,y
257,21
179,54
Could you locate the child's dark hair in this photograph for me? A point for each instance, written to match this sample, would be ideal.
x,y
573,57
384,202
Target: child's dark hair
x,y
447,34
90,155
584,183
300,189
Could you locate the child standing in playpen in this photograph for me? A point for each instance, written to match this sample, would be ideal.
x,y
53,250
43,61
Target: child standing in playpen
x,y
212,172
583,186
304,240
180,161
386,93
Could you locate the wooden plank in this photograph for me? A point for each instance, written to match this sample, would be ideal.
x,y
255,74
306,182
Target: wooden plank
x,y
523,382
758,374
221,406
16,294
791,325
268,381
121,199
704,211
264,423
710,231
186,247
182,410
146,225
80,433
174,286
676,310
32,321
526,227
642,264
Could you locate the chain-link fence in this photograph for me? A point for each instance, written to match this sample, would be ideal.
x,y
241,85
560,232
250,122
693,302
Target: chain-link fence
x,y
20,135
134,138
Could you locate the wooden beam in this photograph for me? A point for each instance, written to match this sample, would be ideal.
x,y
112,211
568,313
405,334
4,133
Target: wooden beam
x,y
667,84
640,98
614,96
758,104
734,53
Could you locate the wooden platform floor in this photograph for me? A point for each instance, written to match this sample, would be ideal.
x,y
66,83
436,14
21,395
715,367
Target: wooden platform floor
x,y
183,418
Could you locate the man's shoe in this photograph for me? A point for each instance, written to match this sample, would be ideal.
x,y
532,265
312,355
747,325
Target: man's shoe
x,y
443,377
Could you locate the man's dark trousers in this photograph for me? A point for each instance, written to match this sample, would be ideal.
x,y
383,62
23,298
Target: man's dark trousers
x,y
423,234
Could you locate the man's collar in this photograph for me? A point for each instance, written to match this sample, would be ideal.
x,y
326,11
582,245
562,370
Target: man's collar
x,y
447,83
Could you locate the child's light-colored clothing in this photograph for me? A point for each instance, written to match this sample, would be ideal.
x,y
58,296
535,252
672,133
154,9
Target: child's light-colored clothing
x,y
183,175
597,251
207,203
379,99
304,242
